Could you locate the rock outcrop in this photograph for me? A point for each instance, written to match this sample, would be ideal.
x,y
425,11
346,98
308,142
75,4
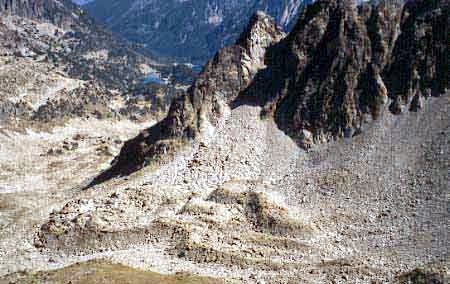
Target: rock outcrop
x,y
343,63
223,78
329,79
420,59
335,71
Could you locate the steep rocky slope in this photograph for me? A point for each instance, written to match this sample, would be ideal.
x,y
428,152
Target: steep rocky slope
x,y
230,72
188,30
221,188
324,81
245,203
353,60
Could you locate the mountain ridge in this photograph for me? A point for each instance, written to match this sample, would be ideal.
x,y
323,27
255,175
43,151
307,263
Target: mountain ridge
x,y
186,30
188,113
313,98
318,156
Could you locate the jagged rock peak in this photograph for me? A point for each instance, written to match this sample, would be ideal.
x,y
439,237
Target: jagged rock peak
x,y
224,77
229,72
189,30
335,72
349,60
260,26
261,33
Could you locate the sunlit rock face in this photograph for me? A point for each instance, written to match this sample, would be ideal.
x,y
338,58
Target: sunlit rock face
x,y
337,70
224,77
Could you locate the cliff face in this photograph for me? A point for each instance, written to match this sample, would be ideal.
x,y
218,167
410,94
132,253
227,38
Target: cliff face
x,y
350,59
224,77
331,81
336,70
420,60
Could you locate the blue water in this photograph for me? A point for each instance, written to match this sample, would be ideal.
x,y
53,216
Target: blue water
x,y
197,69
154,78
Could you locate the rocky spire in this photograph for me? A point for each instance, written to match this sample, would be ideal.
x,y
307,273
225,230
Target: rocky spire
x,y
224,77
343,62
260,34
336,69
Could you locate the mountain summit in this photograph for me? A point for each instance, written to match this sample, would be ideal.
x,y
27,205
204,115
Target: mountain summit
x,y
315,156
335,72
224,77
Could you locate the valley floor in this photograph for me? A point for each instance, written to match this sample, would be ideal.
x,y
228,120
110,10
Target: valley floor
x,y
244,203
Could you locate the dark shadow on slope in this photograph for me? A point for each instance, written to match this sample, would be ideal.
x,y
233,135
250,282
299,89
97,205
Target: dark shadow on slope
x,y
131,157
329,83
160,139
295,92
316,81
270,83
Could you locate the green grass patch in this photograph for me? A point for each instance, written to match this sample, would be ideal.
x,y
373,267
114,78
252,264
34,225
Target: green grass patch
x,y
103,272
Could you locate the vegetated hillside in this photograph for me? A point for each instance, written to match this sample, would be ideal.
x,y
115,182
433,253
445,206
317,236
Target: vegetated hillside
x,y
331,75
188,30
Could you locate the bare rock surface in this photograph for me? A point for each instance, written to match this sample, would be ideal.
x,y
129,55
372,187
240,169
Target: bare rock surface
x,y
206,102
252,206
219,188
326,80
40,171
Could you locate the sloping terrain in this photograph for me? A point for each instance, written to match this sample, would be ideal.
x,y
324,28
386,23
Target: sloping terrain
x,y
66,35
41,170
104,272
238,195
188,30
56,64
230,72
320,83
222,187
250,206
